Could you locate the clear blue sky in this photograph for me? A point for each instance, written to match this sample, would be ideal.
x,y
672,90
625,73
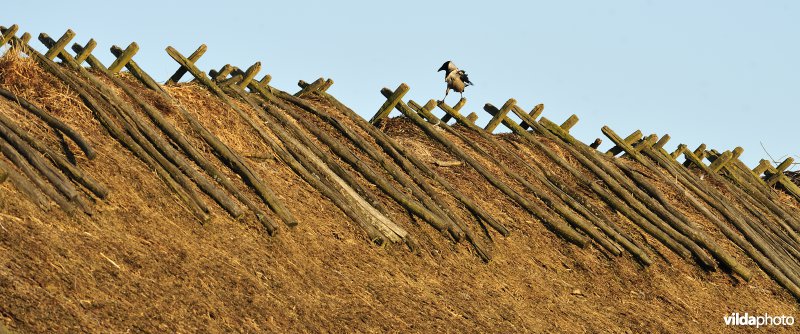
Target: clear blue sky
x,y
724,73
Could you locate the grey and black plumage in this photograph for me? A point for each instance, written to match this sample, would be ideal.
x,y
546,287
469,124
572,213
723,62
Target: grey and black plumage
x,y
455,78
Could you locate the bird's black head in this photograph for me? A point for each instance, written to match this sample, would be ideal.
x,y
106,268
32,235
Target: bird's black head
x,y
444,66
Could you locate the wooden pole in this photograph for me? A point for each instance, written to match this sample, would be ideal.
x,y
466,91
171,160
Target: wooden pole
x,y
194,57
387,106
249,74
429,208
59,45
310,88
8,34
570,122
34,158
498,117
124,58
86,51
171,153
152,144
660,215
630,139
457,107
663,141
29,171
534,114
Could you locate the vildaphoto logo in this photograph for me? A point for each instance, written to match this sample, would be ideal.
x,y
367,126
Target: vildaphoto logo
x,y
745,319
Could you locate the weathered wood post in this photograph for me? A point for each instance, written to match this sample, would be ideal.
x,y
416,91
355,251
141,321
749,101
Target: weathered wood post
x,y
124,58
388,106
498,117
534,114
193,58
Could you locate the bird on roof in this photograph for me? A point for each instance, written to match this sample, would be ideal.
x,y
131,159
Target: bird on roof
x,y
456,79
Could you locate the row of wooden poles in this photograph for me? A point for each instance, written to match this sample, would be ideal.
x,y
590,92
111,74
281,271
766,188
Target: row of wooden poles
x,y
283,121
770,240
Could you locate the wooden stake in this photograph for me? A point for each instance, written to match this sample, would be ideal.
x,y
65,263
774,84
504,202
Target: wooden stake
x,y
472,117
104,111
85,51
124,58
73,171
630,139
310,88
460,104
249,74
692,158
499,116
663,141
26,37
390,103
93,62
768,260
534,114
193,58
720,162
678,151
570,122
59,45
8,35
26,187
223,73
266,79
416,169
686,228
778,173
556,204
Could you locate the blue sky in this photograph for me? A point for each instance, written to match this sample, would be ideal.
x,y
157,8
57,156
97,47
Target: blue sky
x,y
724,73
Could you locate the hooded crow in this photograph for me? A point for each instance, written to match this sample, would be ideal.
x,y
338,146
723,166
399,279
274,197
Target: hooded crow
x,y
456,79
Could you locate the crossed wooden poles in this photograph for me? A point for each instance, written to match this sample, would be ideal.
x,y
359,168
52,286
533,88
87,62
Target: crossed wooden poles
x,y
173,159
40,172
771,243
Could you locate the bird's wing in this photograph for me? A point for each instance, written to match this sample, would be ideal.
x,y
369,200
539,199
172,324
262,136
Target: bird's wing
x,y
465,78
